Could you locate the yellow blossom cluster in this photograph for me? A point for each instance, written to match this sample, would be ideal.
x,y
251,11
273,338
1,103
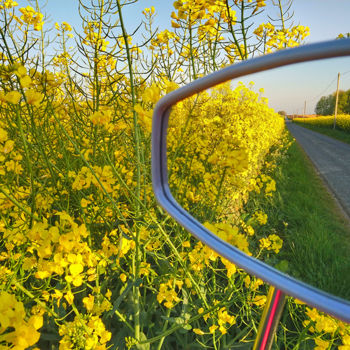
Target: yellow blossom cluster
x,y
204,10
281,38
10,159
8,4
272,242
66,27
261,217
15,331
325,329
264,183
168,294
163,39
82,334
200,257
85,178
221,321
230,234
31,95
219,147
57,250
149,97
31,17
101,117
93,37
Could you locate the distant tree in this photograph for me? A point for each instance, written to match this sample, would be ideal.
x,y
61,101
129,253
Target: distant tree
x,y
326,104
347,108
284,113
344,102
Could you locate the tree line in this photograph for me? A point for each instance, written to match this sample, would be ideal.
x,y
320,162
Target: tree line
x,y
326,104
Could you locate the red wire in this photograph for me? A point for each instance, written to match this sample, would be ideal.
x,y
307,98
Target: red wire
x,y
270,320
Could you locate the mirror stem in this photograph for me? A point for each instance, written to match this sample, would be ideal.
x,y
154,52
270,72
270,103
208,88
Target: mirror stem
x,y
270,319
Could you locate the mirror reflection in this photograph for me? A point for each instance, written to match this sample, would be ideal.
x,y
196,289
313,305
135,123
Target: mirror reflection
x,y
235,165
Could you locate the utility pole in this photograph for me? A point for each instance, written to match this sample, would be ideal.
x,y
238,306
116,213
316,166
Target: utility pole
x,y
336,103
304,108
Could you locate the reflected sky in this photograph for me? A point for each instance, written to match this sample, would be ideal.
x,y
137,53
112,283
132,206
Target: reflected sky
x,y
289,87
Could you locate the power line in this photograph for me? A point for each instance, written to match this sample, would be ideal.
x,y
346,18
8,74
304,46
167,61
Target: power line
x,y
342,74
314,98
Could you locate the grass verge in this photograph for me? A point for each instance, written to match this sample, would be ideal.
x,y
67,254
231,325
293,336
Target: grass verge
x,y
338,134
316,235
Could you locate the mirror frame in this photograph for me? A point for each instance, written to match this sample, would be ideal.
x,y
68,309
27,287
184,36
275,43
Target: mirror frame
x,y
312,296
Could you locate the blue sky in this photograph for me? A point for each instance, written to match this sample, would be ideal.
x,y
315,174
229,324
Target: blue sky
x,y
326,19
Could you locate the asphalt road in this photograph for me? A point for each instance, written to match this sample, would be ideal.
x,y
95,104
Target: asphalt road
x,y
331,159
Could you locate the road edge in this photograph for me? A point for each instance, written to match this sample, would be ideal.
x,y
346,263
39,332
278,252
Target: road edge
x,y
343,211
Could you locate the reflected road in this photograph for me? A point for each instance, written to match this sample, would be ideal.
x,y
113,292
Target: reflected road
x,y
331,159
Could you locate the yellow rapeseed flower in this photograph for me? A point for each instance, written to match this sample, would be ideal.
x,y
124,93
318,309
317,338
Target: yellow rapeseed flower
x,y
145,117
151,94
3,135
14,329
76,269
26,81
168,294
21,71
10,3
174,24
69,297
346,342
321,344
30,16
13,97
33,97
198,331
123,277
259,300
213,328
101,117
66,27
89,302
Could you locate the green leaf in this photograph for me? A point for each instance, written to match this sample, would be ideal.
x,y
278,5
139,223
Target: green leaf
x,y
187,326
121,297
143,346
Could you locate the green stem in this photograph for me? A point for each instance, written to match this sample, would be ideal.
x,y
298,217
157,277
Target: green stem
x,y
188,322
29,166
19,205
233,32
243,31
76,148
161,341
281,13
30,295
218,195
160,228
136,256
191,51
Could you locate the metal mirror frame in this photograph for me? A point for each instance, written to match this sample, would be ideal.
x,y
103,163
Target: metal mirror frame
x,y
312,296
